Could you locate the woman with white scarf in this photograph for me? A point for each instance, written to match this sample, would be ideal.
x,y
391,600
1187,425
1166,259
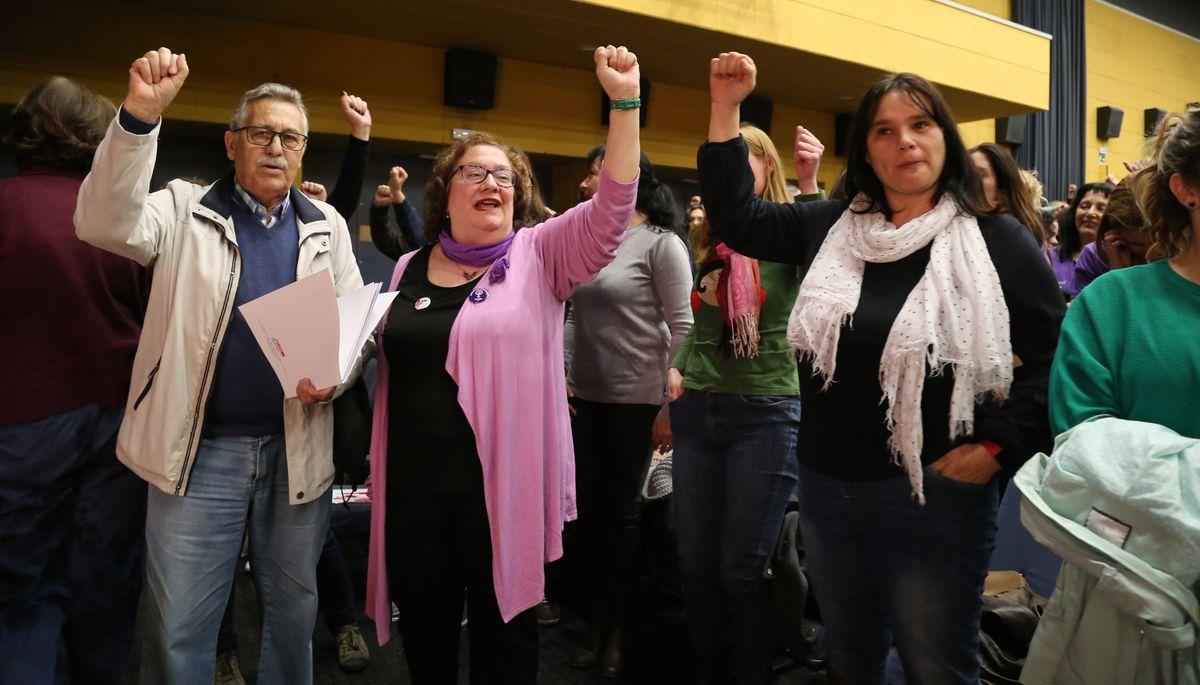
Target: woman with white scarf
x,y
926,329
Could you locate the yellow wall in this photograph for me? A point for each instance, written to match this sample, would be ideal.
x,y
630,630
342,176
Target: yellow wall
x,y
542,108
996,8
976,132
1134,65
937,40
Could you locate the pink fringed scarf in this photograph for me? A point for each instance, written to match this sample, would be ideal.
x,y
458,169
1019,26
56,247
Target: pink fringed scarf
x,y
740,295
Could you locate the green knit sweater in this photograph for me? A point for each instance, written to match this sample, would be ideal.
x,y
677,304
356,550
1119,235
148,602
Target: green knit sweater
x,y
1130,347
773,372
705,366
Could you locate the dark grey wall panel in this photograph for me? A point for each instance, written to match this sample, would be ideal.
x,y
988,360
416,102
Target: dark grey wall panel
x,y
1181,15
1054,144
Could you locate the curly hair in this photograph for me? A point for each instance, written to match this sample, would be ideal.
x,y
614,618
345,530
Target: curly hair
x,y
437,190
59,123
538,211
1123,213
1170,224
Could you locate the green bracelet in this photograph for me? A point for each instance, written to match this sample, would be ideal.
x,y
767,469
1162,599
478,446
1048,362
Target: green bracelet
x,y
627,103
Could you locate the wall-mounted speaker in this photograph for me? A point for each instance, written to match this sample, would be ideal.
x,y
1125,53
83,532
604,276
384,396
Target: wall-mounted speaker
x,y
606,104
470,79
1011,130
841,132
1108,122
1151,118
757,110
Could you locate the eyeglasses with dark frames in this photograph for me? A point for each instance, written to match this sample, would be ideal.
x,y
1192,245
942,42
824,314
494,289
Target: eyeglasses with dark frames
x,y
262,136
473,173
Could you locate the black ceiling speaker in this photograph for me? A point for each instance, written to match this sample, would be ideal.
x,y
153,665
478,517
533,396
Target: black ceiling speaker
x,y
841,132
470,79
1152,118
1011,130
757,111
1108,122
606,104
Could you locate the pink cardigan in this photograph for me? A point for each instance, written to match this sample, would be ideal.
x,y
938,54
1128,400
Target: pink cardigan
x,y
506,355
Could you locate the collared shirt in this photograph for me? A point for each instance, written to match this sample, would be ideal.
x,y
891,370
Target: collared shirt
x,y
259,210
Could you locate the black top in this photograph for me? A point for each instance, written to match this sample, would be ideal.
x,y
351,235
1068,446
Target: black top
x,y
390,241
842,431
344,196
431,446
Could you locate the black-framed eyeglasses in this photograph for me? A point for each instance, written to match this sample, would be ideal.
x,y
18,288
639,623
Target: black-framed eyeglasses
x,y
473,173
262,136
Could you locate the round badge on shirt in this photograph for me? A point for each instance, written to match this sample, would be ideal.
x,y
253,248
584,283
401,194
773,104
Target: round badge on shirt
x,y
421,303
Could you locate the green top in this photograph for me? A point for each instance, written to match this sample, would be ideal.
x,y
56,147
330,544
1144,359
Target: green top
x,y
773,372
1130,347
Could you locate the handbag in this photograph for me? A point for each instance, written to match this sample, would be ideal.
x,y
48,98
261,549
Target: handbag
x,y
1009,618
797,626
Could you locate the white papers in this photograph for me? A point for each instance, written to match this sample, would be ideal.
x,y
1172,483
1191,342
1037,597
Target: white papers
x,y
305,331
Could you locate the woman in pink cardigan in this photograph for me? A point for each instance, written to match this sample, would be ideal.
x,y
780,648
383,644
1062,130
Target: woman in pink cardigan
x,y
471,453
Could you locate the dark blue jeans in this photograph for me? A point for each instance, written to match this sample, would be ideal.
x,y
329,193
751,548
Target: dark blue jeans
x,y
886,571
734,469
71,547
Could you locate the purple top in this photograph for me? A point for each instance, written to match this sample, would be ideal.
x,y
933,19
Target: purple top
x,y
1064,270
506,355
1089,267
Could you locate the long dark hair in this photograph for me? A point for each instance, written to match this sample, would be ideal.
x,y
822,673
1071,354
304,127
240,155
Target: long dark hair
x,y
654,198
958,176
1012,194
1069,242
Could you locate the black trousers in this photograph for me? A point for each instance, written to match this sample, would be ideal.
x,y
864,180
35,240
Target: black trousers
x,y
439,553
612,454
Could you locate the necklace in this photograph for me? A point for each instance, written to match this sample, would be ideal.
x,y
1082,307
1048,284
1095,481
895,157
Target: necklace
x,y
468,275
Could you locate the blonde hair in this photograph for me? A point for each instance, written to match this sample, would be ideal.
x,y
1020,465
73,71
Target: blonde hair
x,y
761,146
775,190
703,250
1155,140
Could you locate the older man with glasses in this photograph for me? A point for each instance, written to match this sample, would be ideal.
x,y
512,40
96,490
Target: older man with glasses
x,y
206,422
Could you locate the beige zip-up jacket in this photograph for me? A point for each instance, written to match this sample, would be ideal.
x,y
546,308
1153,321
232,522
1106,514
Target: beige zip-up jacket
x,y
185,233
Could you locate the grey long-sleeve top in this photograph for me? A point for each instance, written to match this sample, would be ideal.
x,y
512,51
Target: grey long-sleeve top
x,y
626,325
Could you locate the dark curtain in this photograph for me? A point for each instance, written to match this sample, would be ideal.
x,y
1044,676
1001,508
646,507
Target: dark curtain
x,y
1054,142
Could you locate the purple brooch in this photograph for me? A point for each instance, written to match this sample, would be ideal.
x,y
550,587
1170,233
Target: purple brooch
x,y
498,271
478,295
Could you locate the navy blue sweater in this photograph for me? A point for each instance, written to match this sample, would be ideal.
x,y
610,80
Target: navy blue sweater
x,y
246,397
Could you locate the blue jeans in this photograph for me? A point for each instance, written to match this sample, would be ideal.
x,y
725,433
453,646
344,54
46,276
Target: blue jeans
x,y
238,484
1016,550
335,594
71,549
886,570
734,470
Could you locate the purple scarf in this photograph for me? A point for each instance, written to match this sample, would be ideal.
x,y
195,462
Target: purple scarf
x,y
473,255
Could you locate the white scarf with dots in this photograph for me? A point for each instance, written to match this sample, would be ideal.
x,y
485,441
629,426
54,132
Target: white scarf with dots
x,y
955,316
